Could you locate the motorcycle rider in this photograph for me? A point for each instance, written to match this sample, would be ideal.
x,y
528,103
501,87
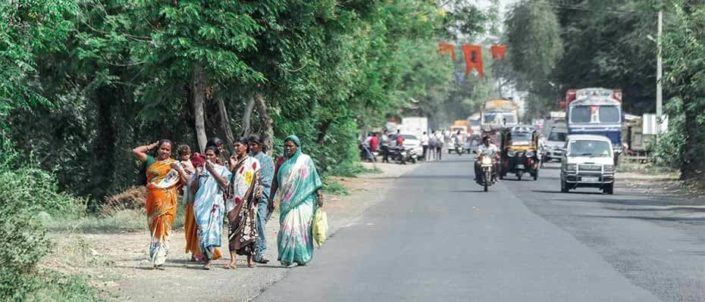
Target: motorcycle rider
x,y
487,148
458,141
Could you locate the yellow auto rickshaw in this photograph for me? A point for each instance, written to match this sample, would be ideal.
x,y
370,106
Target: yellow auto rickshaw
x,y
519,152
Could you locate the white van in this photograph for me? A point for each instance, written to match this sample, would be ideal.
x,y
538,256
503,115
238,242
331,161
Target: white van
x,y
588,162
554,141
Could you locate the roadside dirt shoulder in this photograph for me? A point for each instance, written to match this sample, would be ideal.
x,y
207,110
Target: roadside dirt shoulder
x,y
116,263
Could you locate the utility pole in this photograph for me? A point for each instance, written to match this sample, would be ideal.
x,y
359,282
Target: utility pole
x,y
659,76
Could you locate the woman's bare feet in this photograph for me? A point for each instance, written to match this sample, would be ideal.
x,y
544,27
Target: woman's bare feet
x,y
230,265
250,261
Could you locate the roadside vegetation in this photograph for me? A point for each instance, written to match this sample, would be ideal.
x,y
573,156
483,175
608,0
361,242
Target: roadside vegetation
x,y
30,196
555,45
85,81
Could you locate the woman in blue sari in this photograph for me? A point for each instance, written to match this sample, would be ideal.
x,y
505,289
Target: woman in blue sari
x,y
209,206
297,191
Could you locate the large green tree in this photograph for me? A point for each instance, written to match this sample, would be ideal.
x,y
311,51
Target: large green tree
x,y
684,44
533,37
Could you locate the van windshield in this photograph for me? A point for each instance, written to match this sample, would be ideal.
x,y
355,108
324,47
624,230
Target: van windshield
x,y
589,148
557,136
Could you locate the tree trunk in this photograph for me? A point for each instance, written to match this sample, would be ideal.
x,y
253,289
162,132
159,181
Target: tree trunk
x,y
322,131
198,92
265,123
247,118
225,121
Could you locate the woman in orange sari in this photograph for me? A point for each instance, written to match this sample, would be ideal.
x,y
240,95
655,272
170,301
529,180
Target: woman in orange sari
x,y
164,176
190,227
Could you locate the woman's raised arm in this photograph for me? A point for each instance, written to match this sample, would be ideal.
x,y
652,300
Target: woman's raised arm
x,y
141,151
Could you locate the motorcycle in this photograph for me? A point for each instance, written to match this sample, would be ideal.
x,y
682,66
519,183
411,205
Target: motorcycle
x,y
402,155
366,154
487,176
459,148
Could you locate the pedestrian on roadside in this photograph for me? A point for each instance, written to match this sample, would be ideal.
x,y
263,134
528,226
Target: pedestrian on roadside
x,y
164,177
245,190
374,142
424,145
297,191
211,181
223,154
263,214
439,145
384,145
432,143
399,140
190,227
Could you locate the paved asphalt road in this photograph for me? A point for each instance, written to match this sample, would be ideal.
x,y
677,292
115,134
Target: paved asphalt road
x,y
437,237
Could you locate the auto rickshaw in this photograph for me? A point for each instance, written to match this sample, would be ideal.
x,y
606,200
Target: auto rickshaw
x,y
519,152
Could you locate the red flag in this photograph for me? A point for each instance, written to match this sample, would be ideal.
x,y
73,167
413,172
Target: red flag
x,y
498,51
473,59
445,48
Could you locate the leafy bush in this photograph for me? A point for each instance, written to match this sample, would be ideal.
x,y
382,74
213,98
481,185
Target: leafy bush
x,y
668,151
29,194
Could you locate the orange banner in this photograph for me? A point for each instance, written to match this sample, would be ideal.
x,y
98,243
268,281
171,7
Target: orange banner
x,y
473,59
447,48
498,51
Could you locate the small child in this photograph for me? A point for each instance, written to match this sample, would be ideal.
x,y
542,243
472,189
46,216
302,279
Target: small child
x,y
184,152
190,227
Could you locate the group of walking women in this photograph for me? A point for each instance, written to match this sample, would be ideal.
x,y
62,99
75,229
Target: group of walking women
x,y
244,188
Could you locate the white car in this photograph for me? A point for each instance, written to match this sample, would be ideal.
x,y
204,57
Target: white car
x,y
588,162
412,142
554,143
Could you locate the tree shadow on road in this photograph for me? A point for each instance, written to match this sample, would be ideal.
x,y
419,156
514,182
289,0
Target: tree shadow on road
x,y
480,190
688,220
576,193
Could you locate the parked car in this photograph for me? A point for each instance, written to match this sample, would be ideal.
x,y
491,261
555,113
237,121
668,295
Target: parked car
x,y
588,162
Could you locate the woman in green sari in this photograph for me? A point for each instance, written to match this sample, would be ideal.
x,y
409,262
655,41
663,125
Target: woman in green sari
x,y
297,191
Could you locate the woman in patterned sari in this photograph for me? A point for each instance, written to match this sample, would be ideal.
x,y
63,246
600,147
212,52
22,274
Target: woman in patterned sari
x,y
209,205
164,176
297,191
245,189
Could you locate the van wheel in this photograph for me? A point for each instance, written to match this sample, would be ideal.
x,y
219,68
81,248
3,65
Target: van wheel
x,y
564,187
608,189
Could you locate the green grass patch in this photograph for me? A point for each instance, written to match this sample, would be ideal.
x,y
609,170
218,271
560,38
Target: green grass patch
x,y
49,285
124,220
645,168
334,187
373,170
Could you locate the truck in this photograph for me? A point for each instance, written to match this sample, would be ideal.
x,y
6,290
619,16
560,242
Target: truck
x,y
475,121
596,111
499,112
465,129
460,125
416,125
